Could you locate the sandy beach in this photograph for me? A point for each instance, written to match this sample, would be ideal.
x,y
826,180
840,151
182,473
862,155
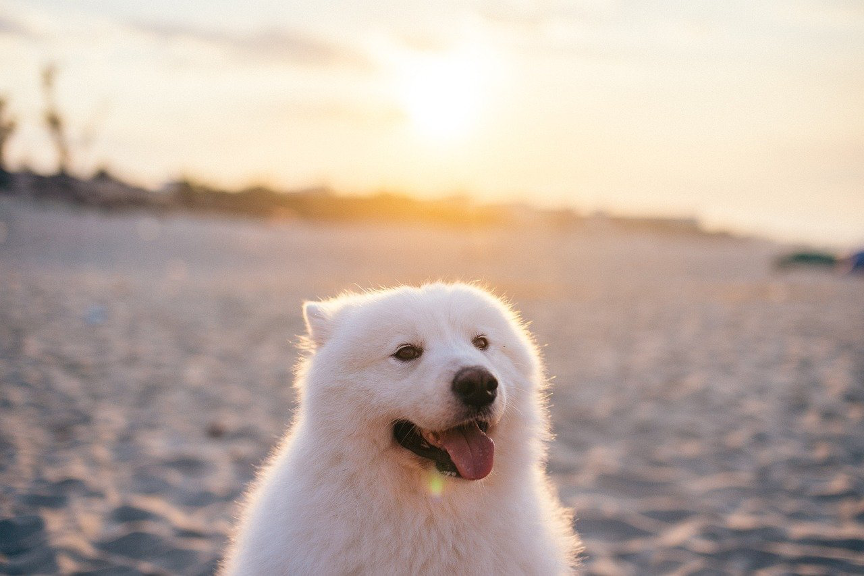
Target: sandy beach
x,y
708,409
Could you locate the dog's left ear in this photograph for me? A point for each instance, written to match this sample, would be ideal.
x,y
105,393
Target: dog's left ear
x,y
319,321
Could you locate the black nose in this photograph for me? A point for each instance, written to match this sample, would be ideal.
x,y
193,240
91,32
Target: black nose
x,y
475,386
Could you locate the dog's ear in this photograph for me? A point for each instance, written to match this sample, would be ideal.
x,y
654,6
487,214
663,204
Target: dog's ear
x,y
319,321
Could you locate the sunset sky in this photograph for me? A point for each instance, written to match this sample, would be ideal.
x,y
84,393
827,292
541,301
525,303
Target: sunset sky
x,y
749,115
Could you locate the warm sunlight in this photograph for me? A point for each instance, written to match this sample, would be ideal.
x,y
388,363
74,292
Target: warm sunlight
x,y
443,215
443,95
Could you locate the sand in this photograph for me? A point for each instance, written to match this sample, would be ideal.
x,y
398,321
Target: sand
x,y
708,409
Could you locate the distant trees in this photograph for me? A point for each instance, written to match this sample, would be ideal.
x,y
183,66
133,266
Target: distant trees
x,y
54,120
7,129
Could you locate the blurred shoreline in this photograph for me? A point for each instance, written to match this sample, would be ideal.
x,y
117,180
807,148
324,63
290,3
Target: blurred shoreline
x,y
108,193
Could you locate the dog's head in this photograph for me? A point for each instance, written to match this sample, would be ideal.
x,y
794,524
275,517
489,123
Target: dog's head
x,y
435,371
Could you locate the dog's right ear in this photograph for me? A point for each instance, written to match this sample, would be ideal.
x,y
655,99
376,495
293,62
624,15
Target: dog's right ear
x,y
319,321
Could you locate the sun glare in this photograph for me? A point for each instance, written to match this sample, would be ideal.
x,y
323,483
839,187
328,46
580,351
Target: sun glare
x,y
443,95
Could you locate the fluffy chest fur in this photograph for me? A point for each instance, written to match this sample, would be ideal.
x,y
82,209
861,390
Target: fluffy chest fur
x,y
338,514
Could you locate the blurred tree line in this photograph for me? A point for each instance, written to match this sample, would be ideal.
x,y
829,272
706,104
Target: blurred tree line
x,y
7,129
54,121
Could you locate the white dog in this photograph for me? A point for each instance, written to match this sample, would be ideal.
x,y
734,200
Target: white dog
x,y
418,446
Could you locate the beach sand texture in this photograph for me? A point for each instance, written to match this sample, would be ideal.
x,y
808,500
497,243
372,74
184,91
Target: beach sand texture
x,y
707,409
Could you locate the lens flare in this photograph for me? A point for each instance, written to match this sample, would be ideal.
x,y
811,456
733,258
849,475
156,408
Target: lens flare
x,y
436,483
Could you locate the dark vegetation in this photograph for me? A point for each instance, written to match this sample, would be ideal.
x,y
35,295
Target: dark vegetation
x,y
106,192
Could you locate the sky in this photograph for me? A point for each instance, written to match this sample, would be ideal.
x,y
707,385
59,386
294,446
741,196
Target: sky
x,y
748,115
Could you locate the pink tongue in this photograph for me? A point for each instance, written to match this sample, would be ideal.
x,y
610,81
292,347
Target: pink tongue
x,y
470,450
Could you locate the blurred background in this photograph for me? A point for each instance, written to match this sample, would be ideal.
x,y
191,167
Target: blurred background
x,y
671,192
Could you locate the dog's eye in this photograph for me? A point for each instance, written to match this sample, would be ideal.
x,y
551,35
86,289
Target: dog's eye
x,y
480,342
407,353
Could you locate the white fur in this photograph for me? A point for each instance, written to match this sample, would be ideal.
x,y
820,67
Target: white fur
x,y
340,496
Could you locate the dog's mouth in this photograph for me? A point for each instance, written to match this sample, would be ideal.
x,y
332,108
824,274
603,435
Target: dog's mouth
x,y
465,451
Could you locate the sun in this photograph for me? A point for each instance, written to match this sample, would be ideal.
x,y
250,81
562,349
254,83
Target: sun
x,y
443,95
